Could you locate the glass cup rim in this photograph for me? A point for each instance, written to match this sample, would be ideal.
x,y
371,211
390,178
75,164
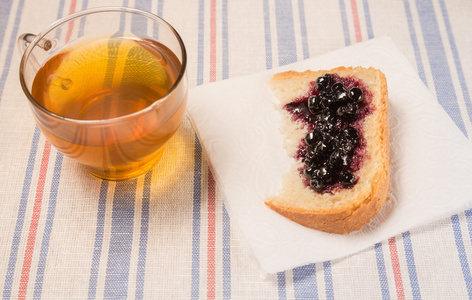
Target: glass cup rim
x,y
90,11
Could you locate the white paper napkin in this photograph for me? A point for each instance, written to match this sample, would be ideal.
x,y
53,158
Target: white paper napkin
x,y
431,174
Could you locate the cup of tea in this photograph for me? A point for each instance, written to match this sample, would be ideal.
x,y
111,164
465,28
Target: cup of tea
x,y
107,87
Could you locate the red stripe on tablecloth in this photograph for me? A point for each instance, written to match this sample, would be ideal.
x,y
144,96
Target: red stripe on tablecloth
x,y
357,25
34,222
71,24
25,272
211,237
397,273
213,41
211,280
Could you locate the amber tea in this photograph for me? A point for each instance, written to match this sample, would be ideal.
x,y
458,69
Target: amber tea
x,y
108,79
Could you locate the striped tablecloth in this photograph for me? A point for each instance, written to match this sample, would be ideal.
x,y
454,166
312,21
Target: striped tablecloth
x,y
167,235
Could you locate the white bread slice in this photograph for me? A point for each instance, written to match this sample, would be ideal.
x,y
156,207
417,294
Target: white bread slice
x,y
344,210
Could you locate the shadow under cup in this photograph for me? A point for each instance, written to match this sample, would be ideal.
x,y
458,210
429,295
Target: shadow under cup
x,y
113,88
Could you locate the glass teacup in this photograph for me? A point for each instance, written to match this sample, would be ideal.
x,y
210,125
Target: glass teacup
x,y
107,87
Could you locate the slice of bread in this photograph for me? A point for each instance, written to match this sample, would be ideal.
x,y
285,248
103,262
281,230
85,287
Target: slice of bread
x,y
346,209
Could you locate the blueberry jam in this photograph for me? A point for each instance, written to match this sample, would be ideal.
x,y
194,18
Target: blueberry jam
x,y
333,111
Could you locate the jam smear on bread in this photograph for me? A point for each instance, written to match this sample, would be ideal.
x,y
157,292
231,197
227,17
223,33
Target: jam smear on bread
x,y
332,150
352,188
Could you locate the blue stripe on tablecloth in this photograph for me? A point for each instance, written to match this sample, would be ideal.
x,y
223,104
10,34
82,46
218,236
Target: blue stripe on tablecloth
x,y
462,254
368,21
347,35
82,20
197,167
285,32
60,14
143,236
139,27
225,219
160,8
197,198
438,62
48,226
226,255
121,240
468,217
159,12
139,23
382,271
304,282
303,32
414,42
201,41
97,246
20,219
281,284
123,18
410,261
11,46
457,61
328,278
224,40
5,7
122,223
267,35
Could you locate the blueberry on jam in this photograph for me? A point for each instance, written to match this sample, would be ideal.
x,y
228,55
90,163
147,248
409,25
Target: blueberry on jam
x,y
313,137
325,173
328,125
323,149
346,146
317,184
356,94
308,172
340,159
350,133
348,112
338,87
324,82
346,178
328,151
342,97
314,104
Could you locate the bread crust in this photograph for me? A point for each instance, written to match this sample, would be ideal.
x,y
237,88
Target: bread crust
x,y
349,209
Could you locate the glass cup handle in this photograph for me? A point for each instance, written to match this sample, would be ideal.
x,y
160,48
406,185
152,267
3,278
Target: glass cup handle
x,y
26,38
